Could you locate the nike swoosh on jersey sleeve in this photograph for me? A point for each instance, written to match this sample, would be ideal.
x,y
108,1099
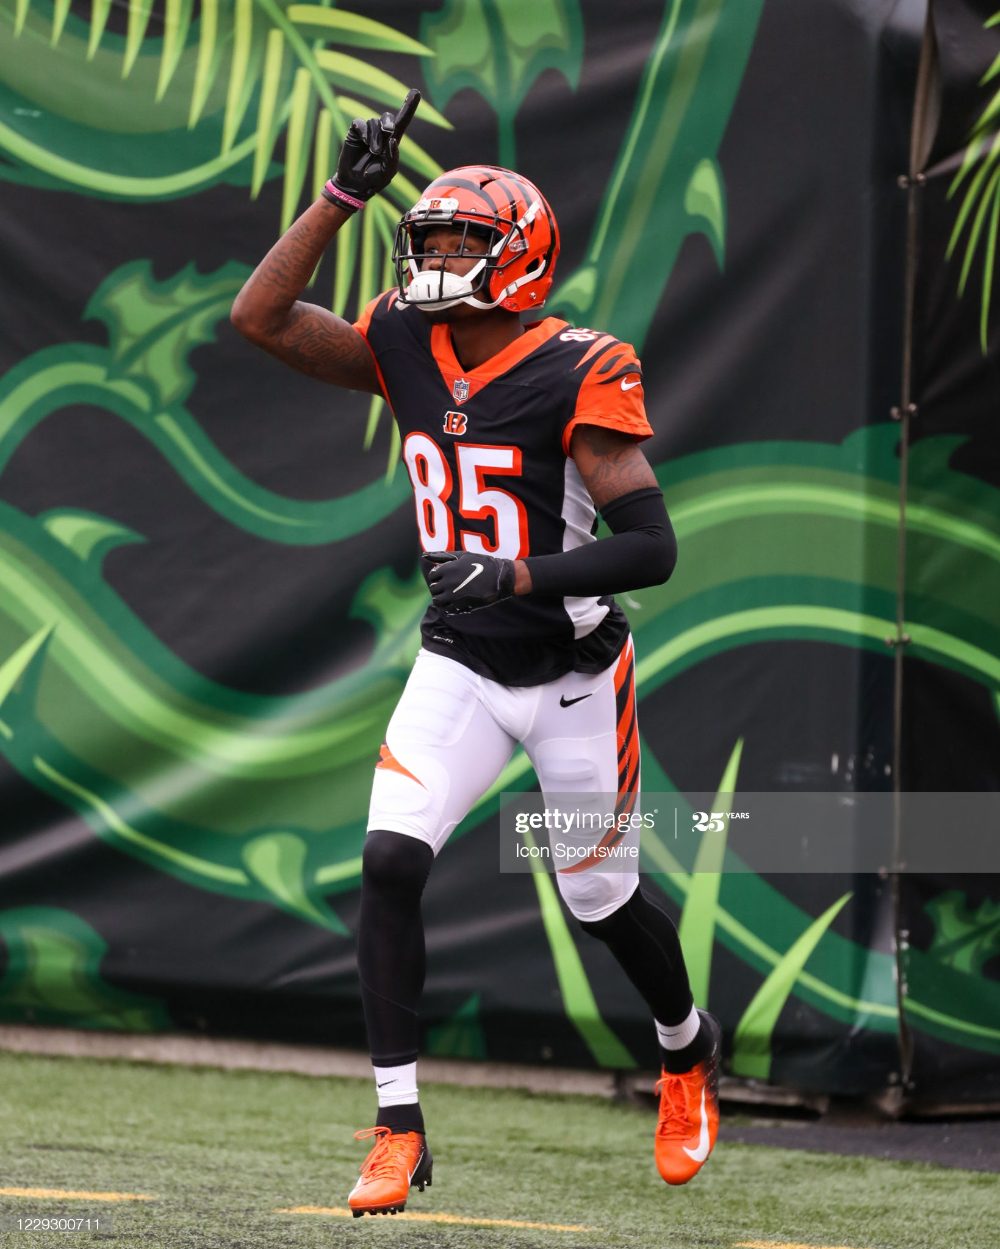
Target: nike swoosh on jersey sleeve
x,y
610,393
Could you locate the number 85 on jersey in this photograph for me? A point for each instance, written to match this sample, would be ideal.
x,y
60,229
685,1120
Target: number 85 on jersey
x,y
503,517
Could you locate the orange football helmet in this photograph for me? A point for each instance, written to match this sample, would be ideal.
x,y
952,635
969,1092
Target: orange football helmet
x,y
499,205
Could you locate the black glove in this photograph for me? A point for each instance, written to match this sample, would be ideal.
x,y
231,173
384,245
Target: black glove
x,y
462,582
370,157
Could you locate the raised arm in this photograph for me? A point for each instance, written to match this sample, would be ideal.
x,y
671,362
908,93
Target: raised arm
x,y
268,310
270,314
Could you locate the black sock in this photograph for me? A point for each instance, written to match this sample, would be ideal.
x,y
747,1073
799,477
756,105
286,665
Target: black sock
x,y
408,1118
679,1061
391,958
644,941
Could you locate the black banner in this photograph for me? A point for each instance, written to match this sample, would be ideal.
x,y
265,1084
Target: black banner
x,y
210,594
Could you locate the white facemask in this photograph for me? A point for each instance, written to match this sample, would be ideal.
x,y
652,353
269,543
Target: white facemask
x,y
427,290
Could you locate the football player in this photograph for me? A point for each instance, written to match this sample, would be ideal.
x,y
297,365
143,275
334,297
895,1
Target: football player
x,y
515,435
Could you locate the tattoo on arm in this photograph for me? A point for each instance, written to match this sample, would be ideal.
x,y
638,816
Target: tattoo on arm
x,y
270,314
610,463
326,347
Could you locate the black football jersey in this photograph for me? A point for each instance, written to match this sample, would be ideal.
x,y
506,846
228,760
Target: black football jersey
x,y
487,450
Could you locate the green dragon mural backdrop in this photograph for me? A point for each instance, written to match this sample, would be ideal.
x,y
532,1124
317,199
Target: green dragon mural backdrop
x,y
164,145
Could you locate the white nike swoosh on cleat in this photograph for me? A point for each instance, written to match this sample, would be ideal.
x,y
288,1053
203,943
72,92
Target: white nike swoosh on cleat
x,y
630,386
701,1153
470,577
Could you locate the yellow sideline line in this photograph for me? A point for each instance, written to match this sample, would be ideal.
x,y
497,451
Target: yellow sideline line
x,y
73,1195
340,1213
777,1244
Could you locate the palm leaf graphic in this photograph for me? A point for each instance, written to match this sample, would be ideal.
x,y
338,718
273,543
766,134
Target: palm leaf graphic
x,y
752,1038
269,64
697,927
278,54
981,203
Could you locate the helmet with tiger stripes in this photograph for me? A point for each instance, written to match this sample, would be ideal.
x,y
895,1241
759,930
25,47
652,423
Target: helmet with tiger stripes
x,y
502,207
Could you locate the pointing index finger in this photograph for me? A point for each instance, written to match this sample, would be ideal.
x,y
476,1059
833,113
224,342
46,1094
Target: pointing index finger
x,y
405,114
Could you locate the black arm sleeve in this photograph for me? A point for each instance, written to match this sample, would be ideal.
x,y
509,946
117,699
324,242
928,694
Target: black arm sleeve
x,y
642,552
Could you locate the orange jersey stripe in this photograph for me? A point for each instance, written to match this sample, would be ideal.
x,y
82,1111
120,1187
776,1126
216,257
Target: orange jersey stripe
x,y
601,343
611,394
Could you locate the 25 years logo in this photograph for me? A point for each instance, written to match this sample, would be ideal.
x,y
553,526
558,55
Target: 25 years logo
x,y
715,821
709,821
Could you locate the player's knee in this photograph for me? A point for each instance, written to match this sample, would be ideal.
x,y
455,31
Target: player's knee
x,y
620,920
603,929
592,896
395,861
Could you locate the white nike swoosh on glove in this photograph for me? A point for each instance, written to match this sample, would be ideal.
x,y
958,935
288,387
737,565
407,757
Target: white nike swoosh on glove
x,y
470,577
701,1153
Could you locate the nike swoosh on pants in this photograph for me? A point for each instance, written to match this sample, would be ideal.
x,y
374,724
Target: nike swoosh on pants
x,y
568,702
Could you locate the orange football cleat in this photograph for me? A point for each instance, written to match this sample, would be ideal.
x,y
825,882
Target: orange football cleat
x,y
398,1160
689,1114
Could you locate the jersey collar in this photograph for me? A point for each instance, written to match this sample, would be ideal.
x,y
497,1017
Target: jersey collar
x,y
473,380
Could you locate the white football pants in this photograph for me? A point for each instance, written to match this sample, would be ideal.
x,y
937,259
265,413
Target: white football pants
x,y
453,732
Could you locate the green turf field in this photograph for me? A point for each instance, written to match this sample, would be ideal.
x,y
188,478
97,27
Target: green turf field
x,y
222,1151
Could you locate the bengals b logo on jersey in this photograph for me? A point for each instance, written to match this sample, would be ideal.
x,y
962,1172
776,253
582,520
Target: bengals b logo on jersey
x,y
455,423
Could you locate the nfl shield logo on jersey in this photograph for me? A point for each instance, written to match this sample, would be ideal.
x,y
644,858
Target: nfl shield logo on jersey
x,y
460,390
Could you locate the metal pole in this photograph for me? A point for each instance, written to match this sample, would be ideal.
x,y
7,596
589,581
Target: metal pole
x,y
924,108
